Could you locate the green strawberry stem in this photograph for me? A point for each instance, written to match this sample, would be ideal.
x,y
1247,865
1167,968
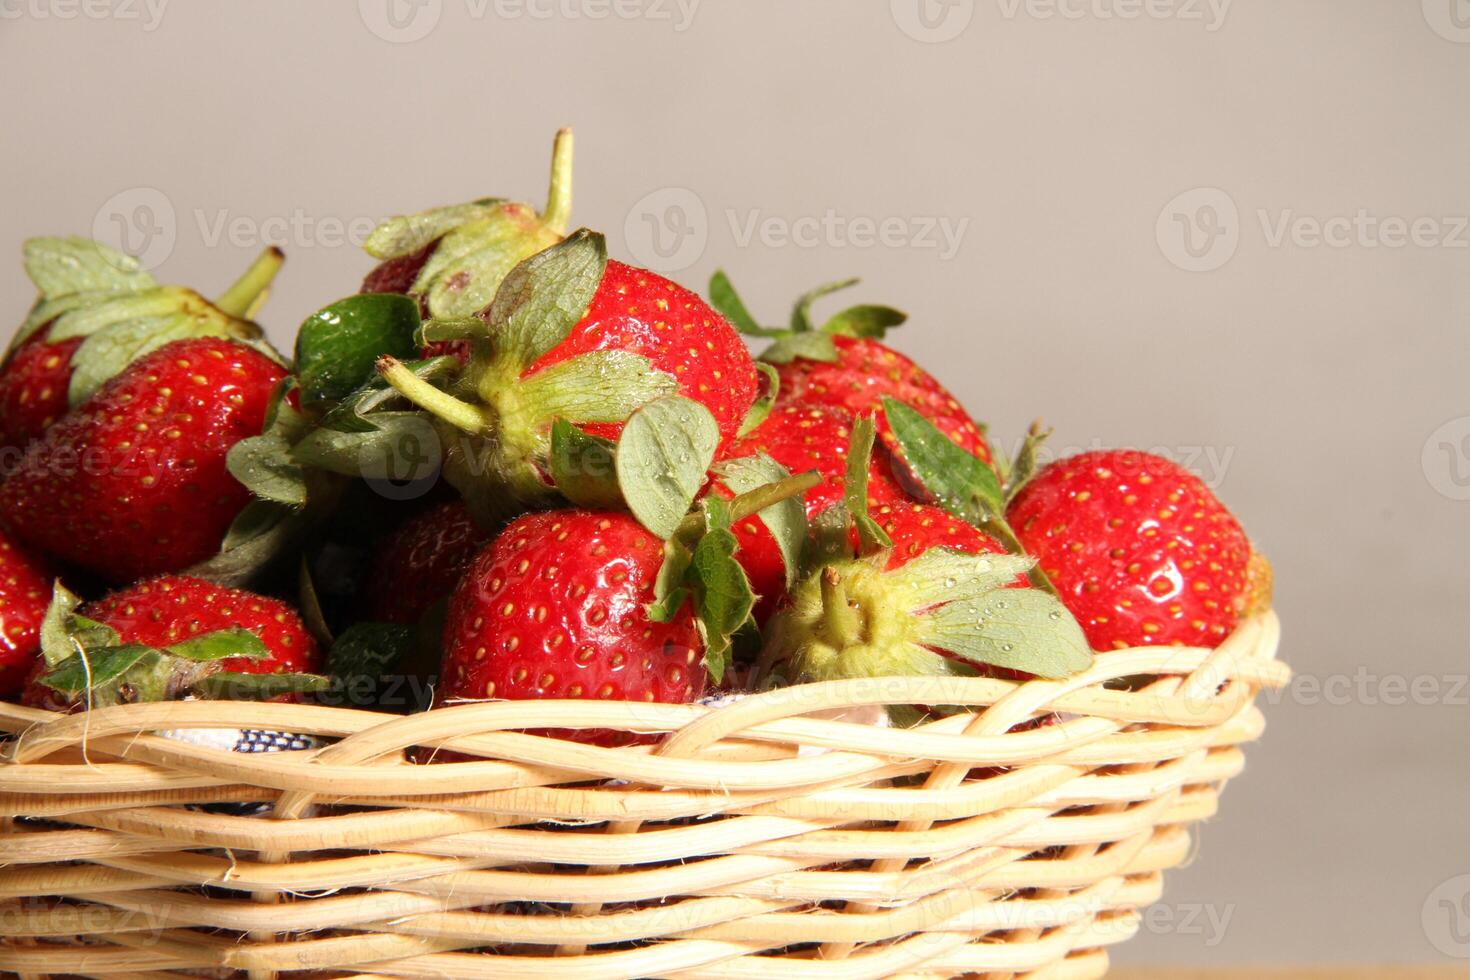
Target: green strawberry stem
x,y
757,500
457,412
842,624
243,298
558,211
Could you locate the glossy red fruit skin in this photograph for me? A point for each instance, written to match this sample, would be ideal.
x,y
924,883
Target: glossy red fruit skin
x,y
421,562
1140,549
680,334
171,608
801,438
33,387
554,607
915,528
25,592
133,482
867,371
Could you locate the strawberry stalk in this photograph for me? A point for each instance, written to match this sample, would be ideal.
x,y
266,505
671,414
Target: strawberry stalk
x,y
457,412
244,298
843,627
558,211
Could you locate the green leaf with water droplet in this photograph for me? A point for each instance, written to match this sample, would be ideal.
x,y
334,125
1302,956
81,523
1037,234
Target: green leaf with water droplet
x,y
1021,629
599,386
663,454
76,265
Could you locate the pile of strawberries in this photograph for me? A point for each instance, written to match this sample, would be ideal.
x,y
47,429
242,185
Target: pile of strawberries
x,y
512,467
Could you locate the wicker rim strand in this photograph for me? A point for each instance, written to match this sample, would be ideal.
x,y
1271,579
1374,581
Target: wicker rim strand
x,y
771,837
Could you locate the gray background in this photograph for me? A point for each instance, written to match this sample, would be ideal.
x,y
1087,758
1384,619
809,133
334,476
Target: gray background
x,y
1321,386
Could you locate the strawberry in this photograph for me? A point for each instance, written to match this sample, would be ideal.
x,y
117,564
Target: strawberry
x,y
1139,548
843,364
927,594
134,481
800,438
421,563
98,311
25,591
162,618
572,335
862,373
33,385
556,607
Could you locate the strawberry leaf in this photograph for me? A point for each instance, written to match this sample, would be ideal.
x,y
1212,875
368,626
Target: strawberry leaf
x,y
785,520
233,686
96,667
77,265
962,484
338,346
760,410
805,346
582,466
63,631
263,463
723,297
220,644
664,451
1025,466
801,320
871,537
1020,629
598,386
864,321
669,590
543,297
407,233
723,599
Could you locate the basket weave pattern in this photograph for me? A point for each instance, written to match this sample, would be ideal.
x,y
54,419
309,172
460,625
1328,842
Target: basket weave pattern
x,y
775,837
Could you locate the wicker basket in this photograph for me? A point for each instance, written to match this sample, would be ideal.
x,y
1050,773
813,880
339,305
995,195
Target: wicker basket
x,y
762,839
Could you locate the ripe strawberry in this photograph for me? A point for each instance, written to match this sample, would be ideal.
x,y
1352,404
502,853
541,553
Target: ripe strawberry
x,y
421,563
1139,548
865,372
68,332
638,337
800,438
172,609
134,482
33,386
164,610
555,607
25,591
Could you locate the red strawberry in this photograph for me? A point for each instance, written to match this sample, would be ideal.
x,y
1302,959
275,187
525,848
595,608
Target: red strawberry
x,y
554,607
113,299
915,528
641,337
133,482
800,438
25,591
33,386
1139,548
169,609
865,372
421,563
